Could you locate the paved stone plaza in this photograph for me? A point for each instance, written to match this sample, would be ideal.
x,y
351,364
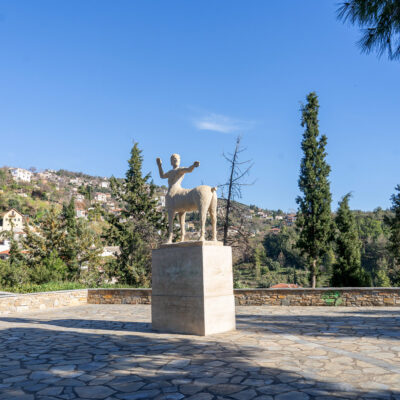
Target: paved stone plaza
x,y
280,353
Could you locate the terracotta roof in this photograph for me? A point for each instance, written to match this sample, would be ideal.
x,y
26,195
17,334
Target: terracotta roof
x,y
8,251
11,209
285,285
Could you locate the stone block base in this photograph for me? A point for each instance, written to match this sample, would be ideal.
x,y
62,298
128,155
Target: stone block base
x,y
192,288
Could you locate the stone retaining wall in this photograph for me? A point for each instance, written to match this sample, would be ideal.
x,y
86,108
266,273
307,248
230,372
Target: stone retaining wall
x,y
119,296
355,297
11,303
272,297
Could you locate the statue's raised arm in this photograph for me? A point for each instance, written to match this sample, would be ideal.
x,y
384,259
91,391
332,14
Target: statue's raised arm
x,y
160,169
179,201
191,168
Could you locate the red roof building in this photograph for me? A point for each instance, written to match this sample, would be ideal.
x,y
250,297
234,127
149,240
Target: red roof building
x,y
285,286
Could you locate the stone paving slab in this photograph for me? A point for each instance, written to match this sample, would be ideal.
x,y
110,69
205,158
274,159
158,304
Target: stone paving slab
x,y
277,353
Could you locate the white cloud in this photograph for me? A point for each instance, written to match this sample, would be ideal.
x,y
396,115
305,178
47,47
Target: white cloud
x,y
220,123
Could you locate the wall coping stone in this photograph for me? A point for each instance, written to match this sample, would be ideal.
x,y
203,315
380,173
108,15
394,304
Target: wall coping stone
x,y
41,293
241,290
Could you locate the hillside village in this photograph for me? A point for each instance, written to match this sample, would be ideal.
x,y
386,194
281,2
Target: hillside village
x,y
25,194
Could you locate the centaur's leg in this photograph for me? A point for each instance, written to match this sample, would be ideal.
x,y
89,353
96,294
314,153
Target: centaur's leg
x,y
203,217
171,216
213,214
182,216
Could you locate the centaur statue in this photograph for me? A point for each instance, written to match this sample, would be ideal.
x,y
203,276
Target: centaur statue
x,y
179,201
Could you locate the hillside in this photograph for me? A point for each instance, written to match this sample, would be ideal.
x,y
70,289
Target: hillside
x,y
92,194
263,241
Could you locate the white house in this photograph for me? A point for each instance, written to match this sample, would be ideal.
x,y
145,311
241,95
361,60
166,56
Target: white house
x,y
4,249
161,201
79,197
49,175
290,219
76,181
105,184
12,220
81,213
42,175
110,251
21,175
100,197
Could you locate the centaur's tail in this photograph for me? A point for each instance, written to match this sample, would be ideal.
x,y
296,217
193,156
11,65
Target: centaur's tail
x,y
213,206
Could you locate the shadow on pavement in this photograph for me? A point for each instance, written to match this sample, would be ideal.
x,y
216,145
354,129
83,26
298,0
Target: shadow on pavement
x,y
85,323
134,363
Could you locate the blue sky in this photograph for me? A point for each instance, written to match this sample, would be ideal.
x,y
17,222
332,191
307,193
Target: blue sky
x,y
80,80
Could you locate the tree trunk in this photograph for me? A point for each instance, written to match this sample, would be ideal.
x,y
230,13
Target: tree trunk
x,y
228,200
226,224
314,281
234,183
314,273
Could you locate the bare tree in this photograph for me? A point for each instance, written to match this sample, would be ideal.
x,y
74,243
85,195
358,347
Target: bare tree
x,y
242,248
238,170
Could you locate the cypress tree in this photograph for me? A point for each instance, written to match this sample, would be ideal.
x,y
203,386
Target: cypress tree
x,y
138,226
314,213
394,225
69,248
68,214
258,259
347,270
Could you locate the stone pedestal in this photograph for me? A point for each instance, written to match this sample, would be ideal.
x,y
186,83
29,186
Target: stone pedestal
x,y
192,288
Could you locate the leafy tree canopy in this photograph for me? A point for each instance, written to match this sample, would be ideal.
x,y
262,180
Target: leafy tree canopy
x,y
347,269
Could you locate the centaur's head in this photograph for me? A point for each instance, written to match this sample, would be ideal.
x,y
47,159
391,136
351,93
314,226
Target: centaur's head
x,y
175,160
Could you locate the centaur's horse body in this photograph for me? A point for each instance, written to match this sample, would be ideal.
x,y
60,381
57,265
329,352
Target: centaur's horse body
x,y
179,200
